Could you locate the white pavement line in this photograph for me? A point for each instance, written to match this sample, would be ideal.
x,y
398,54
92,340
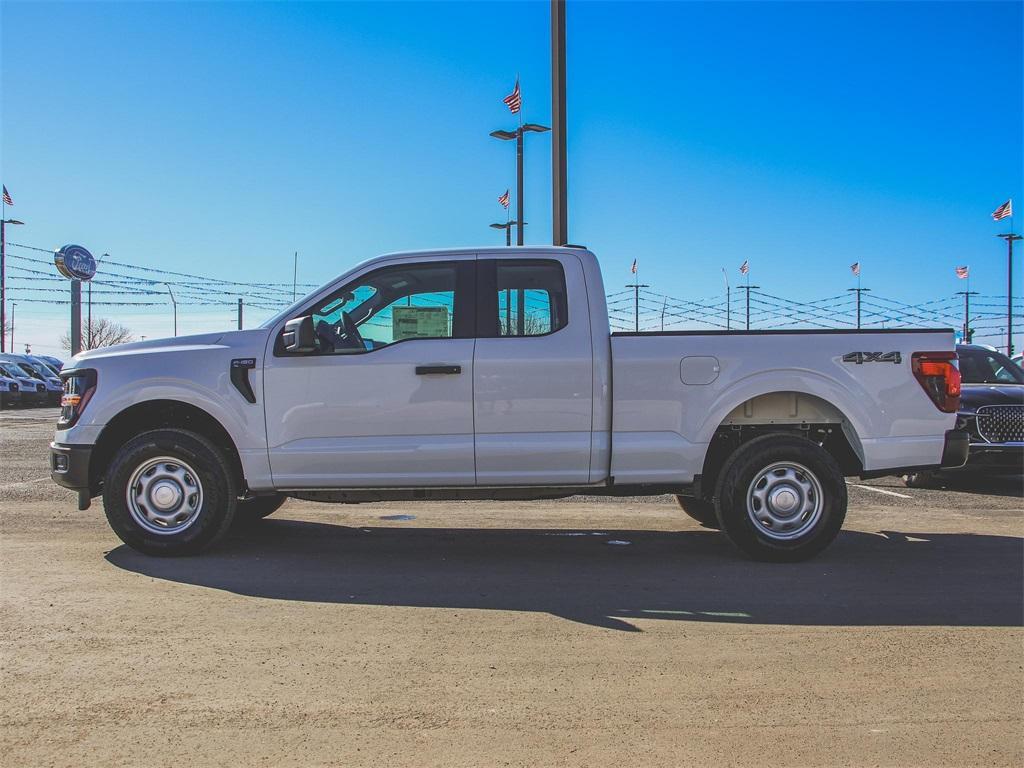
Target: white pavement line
x,y
881,490
26,482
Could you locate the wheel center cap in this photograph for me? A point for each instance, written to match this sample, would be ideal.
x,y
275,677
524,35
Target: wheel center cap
x,y
166,495
784,499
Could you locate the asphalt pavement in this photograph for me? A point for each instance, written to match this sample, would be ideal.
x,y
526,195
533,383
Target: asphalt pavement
x,y
581,632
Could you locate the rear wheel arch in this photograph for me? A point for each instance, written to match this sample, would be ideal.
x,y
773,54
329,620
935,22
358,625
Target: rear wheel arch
x,y
160,414
783,412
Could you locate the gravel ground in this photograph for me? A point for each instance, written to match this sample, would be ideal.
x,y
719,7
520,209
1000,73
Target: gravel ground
x,y
492,634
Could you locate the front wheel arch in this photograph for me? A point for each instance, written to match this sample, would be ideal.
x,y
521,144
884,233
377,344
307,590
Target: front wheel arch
x,y
160,414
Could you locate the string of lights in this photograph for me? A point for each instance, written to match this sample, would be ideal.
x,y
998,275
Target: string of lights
x,y
31,280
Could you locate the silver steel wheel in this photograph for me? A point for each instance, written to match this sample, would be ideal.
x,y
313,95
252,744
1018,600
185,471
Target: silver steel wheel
x,y
784,500
164,495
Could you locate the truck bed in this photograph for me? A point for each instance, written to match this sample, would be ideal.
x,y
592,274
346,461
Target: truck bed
x,y
673,390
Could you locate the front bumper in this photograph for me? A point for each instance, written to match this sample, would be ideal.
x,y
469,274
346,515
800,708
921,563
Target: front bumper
x,y
10,398
69,467
998,457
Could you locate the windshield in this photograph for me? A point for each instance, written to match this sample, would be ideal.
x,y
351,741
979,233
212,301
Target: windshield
x,y
44,370
978,366
12,370
29,371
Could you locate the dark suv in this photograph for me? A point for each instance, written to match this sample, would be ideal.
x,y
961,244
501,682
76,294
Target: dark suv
x,y
991,411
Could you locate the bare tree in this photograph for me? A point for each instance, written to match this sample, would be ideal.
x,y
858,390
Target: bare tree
x,y
102,333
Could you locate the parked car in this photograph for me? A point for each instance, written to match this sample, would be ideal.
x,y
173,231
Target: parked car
x,y
33,391
55,362
40,371
991,412
492,374
10,391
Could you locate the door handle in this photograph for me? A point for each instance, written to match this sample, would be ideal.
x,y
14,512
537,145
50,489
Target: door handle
x,y
448,370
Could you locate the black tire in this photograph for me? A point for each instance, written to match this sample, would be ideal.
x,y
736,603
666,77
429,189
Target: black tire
x,y
203,465
701,510
923,479
258,507
809,474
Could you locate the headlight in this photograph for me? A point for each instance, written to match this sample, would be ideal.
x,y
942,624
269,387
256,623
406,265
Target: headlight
x,y
79,386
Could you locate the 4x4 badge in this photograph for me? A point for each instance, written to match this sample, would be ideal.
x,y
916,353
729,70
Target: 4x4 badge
x,y
872,357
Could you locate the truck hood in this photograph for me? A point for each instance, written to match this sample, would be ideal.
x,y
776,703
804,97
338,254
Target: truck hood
x,y
247,340
973,396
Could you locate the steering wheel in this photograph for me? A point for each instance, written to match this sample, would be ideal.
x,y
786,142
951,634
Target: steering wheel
x,y
353,339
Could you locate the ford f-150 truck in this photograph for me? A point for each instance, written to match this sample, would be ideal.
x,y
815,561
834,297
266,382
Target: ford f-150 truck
x,y
492,374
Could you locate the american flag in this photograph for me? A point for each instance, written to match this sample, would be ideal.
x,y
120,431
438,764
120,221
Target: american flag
x,y
514,101
504,199
855,268
633,268
963,272
7,197
744,268
1004,210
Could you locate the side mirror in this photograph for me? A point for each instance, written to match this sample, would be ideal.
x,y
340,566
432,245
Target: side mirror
x,y
298,335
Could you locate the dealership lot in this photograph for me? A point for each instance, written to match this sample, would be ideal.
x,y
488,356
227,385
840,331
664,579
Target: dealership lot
x,y
579,632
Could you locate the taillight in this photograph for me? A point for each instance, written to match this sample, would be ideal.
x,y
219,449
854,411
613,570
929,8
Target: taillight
x,y
939,376
78,389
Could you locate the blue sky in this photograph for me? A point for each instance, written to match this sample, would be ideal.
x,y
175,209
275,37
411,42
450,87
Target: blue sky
x,y
220,138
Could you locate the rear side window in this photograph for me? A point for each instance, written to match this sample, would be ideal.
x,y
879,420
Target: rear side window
x,y
530,298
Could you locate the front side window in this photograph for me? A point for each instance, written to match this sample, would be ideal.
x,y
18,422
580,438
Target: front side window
x,y
531,297
415,301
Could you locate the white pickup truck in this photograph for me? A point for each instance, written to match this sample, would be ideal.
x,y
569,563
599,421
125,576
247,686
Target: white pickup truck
x,y
492,374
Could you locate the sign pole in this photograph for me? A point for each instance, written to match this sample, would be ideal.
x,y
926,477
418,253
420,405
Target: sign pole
x,y
76,317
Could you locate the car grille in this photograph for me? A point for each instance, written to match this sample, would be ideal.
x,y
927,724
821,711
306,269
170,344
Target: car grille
x,y
1001,423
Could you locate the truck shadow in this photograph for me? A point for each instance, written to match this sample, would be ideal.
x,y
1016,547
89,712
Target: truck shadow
x,y
898,578
989,485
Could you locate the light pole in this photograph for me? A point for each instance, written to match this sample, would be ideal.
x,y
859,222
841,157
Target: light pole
x,y
1009,237
175,303
13,305
859,291
559,182
748,288
507,226
636,303
728,301
3,281
517,134
967,313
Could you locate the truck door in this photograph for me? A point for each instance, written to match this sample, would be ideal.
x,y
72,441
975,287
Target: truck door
x,y
386,399
533,373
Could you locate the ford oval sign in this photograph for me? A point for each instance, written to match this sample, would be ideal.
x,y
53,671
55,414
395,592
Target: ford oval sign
x,y
75,262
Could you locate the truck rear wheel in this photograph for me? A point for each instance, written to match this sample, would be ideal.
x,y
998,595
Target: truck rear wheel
x,y
169,492
781,498
701,510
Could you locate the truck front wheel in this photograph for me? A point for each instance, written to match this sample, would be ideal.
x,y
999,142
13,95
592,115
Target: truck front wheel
x,y
169,492
781,498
